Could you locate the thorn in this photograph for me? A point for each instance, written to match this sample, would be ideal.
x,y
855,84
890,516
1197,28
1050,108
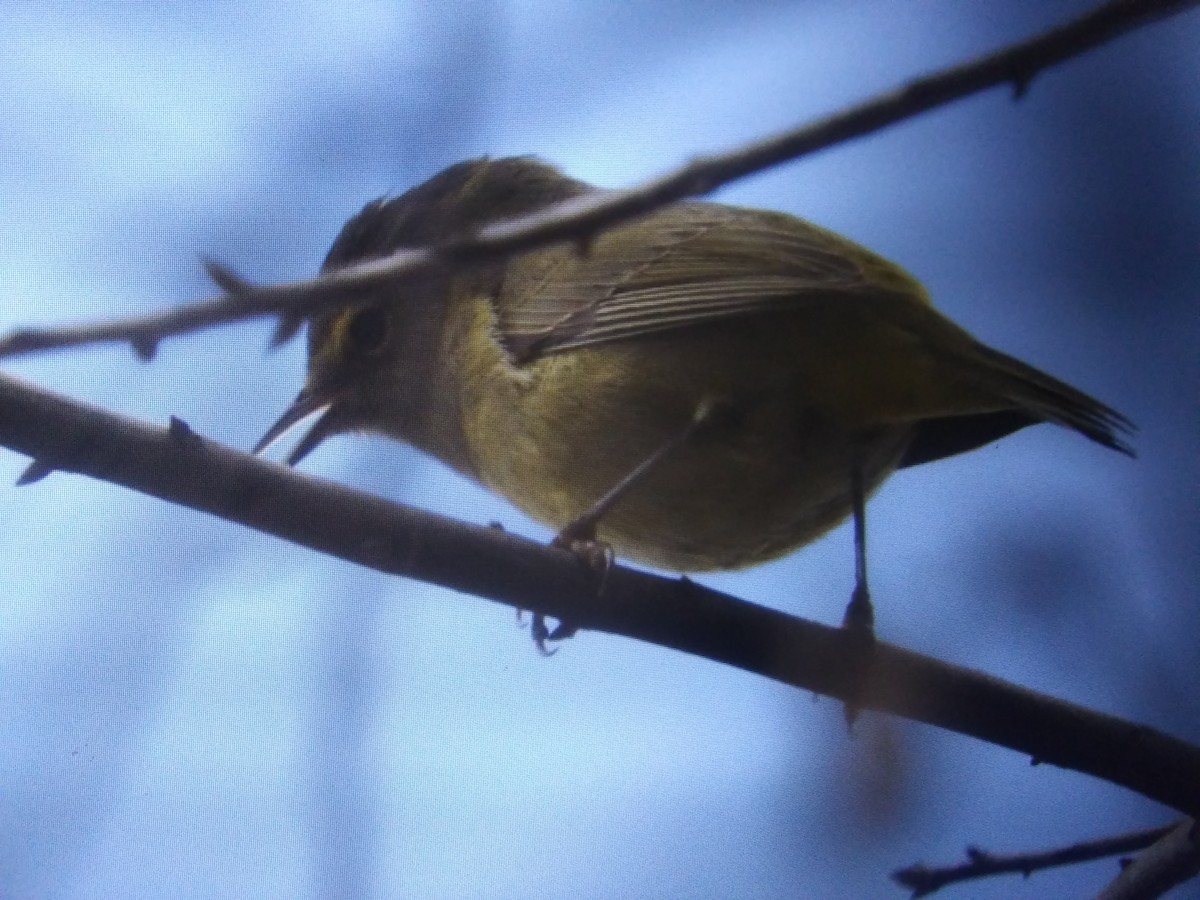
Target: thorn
x,y
225,278
285,329
35,471
1020,85
689,588
181,433
145,348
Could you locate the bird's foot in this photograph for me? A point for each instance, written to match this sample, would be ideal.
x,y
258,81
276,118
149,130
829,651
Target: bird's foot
x,y
858,625
597,557
579,538
542,633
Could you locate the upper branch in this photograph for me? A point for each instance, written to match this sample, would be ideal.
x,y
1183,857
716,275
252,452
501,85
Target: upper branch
x,y
580,219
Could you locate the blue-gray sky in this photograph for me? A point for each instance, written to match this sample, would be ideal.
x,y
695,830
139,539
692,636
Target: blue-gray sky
x,y
190,709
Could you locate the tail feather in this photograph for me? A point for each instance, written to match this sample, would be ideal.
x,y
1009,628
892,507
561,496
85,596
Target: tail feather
x,y
1056,401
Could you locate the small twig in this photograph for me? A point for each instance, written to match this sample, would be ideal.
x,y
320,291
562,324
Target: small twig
x,y
1172,859
580,219
923,880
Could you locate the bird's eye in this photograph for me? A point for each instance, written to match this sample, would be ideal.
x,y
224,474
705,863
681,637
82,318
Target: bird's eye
x,y
367,330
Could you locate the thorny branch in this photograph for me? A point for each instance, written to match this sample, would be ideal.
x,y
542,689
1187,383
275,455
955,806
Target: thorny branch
x,y
924,880
178,465
578,220
1171,860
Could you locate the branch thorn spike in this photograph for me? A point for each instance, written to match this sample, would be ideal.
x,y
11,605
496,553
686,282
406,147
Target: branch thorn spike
x,y
225,278
285,329
181,433
35,471
145,348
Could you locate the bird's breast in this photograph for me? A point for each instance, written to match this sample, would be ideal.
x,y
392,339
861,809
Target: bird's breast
x,y
770,473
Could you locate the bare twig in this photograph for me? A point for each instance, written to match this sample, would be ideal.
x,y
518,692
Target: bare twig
x,y
178,465
581,218
923,880
1172,859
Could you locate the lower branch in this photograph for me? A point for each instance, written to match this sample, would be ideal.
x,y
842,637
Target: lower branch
x,y
180,466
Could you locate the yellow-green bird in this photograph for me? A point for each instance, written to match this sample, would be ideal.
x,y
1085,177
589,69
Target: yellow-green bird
x,y
705,387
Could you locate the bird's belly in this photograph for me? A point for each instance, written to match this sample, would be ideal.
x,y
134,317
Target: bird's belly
x,y
726,513
770,473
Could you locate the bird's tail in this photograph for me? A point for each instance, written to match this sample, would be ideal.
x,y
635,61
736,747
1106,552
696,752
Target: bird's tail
x,y
1051,400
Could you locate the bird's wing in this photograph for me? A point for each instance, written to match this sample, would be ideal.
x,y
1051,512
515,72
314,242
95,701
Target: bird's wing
x,y
688,264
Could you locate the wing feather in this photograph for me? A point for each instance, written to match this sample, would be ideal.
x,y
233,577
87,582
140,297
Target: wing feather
x,y
699,263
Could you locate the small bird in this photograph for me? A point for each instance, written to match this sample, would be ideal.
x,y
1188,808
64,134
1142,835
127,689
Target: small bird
x,y
705,387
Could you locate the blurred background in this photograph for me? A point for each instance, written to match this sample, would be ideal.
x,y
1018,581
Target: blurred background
x,y
191,709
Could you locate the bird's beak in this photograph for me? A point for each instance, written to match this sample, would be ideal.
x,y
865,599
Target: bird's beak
x,y
307,404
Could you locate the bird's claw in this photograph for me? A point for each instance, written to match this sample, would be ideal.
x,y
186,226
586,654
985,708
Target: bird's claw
x,y
597,557
859,619
858,626
541,634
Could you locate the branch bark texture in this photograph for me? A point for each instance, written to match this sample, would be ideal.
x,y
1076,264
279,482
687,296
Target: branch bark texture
x,y
176,464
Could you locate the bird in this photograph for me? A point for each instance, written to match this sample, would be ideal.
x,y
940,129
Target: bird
x,y
705,387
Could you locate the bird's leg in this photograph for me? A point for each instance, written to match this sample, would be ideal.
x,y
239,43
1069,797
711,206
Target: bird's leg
x,y
582,531
579,535
860,613
858,623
